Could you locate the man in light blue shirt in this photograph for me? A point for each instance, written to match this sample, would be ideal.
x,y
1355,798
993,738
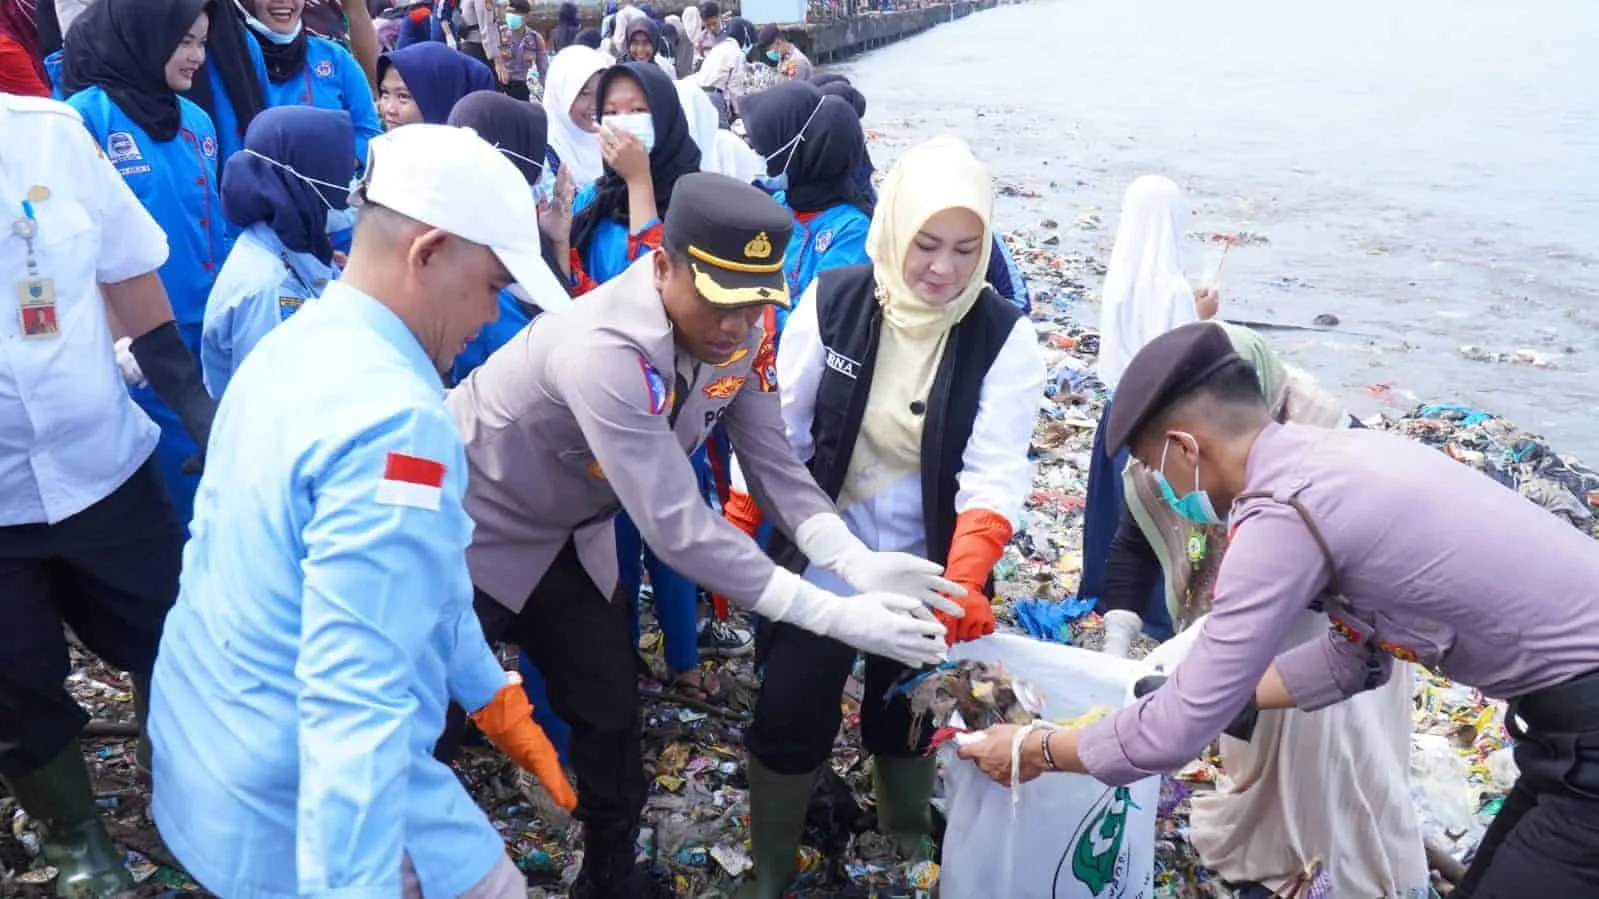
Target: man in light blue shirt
x,y
324,620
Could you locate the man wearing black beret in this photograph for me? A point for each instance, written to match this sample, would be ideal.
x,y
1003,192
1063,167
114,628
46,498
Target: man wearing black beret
x,y
1411,556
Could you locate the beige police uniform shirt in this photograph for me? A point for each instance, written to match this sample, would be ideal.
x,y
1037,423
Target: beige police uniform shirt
x,y
595,409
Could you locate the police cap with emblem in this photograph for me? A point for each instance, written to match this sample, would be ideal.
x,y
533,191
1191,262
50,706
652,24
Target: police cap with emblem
x,y
1167,369
733,236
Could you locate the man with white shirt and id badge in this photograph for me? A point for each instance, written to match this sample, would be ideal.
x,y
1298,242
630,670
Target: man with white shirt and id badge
x,y
88,538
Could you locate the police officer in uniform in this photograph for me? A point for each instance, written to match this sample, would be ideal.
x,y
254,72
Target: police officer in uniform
x,y
1411,556
596,409
87,535
325,617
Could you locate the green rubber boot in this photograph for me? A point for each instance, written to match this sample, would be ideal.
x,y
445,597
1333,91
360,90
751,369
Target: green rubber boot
x,y
904,790
60,801
777,819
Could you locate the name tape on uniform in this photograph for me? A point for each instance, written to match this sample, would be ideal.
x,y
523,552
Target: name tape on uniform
x,y
411,481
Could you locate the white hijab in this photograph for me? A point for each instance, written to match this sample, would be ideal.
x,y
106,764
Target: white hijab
x,y
578,150
1146,293
720,151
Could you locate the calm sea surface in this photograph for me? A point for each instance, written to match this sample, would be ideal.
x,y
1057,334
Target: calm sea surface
x,y
1427,171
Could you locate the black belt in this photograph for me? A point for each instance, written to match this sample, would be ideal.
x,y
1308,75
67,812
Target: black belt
x,y
1568,708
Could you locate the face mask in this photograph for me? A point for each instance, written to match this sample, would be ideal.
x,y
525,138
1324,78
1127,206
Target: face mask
x,y
513,22
338,189
1196,506
261,28
340,220
778,183
545,188
774,56
639,124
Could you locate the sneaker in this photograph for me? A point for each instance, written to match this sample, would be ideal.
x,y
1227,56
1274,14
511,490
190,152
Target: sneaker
x,y
723,640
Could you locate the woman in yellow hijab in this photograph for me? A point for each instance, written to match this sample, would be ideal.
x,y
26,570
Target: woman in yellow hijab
x,y
909,387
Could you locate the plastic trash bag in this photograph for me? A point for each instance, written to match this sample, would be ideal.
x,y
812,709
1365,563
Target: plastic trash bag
x,y
1065,836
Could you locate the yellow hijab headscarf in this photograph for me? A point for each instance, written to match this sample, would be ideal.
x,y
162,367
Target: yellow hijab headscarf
x,y
930,178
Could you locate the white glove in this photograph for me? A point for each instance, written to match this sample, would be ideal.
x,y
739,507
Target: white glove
x,y
826,540
132,375
1121,627
882,624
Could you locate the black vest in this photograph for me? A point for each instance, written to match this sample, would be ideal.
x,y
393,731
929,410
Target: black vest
x,y
851,321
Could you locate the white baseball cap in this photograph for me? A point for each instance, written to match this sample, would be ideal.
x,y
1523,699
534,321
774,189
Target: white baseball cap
x,y
451,179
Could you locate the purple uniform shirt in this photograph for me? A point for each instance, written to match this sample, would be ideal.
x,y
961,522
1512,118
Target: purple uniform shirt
x,y
1438,564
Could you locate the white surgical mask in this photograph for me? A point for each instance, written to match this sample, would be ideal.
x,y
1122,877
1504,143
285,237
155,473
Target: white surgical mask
x,y
545,188
639,124
265,30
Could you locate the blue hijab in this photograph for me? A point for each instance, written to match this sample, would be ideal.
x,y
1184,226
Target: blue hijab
x,y
313,142
437,77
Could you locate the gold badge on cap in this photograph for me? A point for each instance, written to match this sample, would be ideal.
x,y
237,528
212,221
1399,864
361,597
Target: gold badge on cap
x,y
759,247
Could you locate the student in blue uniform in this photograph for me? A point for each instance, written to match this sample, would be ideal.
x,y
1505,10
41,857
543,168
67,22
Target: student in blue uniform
x,y
306,70
813,143
423,82
230,91
126,62
287,190
646,144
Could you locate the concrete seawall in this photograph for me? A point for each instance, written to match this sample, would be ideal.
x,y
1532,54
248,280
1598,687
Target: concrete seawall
x,y
833,40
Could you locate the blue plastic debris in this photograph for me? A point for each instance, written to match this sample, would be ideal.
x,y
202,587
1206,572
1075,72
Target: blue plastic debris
x,y
1463,415
1045,620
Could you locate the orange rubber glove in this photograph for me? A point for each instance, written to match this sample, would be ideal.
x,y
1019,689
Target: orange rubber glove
x,y
742,512
979,542
508,723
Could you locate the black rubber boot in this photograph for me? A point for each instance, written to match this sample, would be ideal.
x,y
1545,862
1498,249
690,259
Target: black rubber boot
x,y
778,803
610,869
60,800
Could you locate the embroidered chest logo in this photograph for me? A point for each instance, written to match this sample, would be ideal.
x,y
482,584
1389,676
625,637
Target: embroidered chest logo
x,y
208,146
824,240
121,147
844,365
288,305
324,69
656,394
724,387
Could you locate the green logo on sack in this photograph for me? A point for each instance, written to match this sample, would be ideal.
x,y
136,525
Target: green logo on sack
x,y
1097,852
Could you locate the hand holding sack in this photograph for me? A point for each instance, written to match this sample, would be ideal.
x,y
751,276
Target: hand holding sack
x,y
978,545
508,723
826,540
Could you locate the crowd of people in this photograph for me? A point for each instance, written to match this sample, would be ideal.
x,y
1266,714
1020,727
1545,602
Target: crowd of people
x,y
351,342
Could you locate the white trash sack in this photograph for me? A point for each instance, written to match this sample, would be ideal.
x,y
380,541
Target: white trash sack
x,y
1062,836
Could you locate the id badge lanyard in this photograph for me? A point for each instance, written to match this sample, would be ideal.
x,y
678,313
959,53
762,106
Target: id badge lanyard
x,y
36,295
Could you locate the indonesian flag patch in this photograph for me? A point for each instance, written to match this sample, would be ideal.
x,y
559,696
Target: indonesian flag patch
x,y
411,481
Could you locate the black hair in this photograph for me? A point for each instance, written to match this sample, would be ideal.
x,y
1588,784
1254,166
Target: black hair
x,y
710,9
1234,391
522,7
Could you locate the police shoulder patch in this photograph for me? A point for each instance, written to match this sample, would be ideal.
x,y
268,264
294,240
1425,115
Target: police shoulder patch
x,y
657,397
